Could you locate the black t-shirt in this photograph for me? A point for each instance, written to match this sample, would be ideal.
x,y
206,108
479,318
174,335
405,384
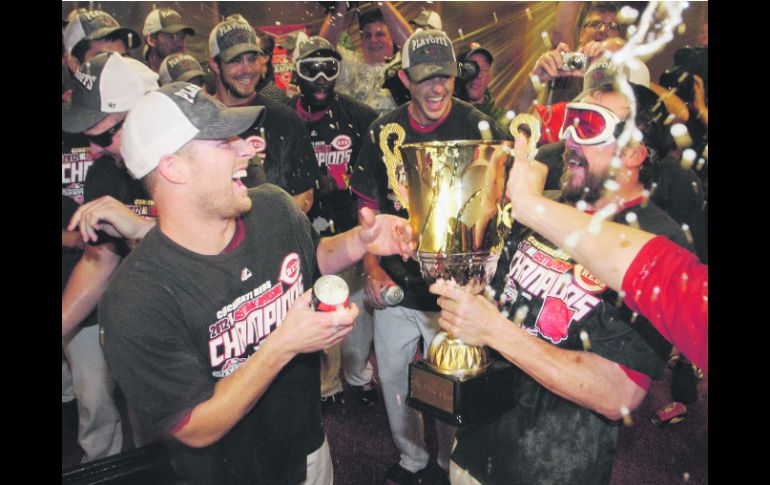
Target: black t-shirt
x,y
106,177
284,155
336,139
370,180
546,439
76,160
175,322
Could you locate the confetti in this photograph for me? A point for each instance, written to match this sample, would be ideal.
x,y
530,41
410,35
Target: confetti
x,y
489,293
461,33
536,84
627,15
494,14
706,152
584,339
681,29
645,198
632,220
686,477
331,226
582,205
626,416
701,162
529,14
655,293
510,115
484,128
621,297
277,22
611,185
520,315
688,158
681,135
371,133
683,281
547,40
687,233
634,317
571,241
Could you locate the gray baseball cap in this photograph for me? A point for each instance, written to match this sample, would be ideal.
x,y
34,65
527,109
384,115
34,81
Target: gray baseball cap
x,y
428,53
231,38
165,20
179,67
162,121
315,47
107,83
96,25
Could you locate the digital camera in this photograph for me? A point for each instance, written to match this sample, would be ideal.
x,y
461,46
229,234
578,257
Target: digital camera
x,y
574,61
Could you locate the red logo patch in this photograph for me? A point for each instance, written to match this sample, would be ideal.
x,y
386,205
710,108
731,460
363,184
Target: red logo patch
x,y
257,142
290,269
554,319
342,142
587,281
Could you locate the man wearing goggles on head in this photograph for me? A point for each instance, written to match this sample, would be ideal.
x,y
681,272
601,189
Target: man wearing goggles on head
x,y
336,124
564,389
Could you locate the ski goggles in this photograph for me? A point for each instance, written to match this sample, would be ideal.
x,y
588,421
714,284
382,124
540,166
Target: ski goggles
x,y
312,68
104,139
591,124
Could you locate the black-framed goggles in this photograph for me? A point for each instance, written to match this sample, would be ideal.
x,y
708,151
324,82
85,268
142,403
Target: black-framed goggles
x,y
104,139
312,68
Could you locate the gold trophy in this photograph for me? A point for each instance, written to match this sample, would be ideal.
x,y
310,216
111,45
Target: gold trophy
x,y
455,194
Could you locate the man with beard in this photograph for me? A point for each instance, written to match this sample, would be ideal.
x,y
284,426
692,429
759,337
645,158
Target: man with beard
x,y
208,325
284,154
585,360
429,71
164,34
336,124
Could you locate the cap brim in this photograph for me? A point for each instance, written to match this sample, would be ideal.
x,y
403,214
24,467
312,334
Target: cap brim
x,y
173,29
231,122
481,50
76,119
190,75
421,72
238,49
130,37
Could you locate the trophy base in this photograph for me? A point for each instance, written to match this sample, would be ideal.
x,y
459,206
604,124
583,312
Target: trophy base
x,y
462,400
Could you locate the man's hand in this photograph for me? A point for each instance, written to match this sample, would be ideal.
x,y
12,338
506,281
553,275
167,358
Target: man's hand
x,y
72,239
305,330
383,234
548,65
527,177
469,317
376,280
108,215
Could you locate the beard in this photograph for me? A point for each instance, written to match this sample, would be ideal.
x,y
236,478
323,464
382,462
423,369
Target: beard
x,y
237,91
590,189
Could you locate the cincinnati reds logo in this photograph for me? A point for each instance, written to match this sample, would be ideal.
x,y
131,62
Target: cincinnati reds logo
x,y
290,269
587,281
342,142
554,319
257,142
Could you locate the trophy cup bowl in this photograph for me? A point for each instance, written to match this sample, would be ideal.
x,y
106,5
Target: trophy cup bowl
x,y
456,203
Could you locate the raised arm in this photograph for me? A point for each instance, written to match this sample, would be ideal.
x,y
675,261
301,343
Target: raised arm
x,y
399,28
334,22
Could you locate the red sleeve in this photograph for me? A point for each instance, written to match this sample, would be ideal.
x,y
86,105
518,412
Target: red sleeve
x,y
641,380
669,286
364,201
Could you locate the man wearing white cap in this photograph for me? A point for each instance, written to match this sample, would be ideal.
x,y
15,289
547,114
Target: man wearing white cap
x,y
219,351
105,88
164,34
284,155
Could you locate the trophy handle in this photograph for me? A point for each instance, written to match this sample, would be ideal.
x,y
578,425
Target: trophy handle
x,y
527,125
394,163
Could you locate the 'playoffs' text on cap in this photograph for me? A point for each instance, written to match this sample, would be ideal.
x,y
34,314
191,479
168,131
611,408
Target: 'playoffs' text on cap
x,y
231,38
165,20
95,25
179,67
428,53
